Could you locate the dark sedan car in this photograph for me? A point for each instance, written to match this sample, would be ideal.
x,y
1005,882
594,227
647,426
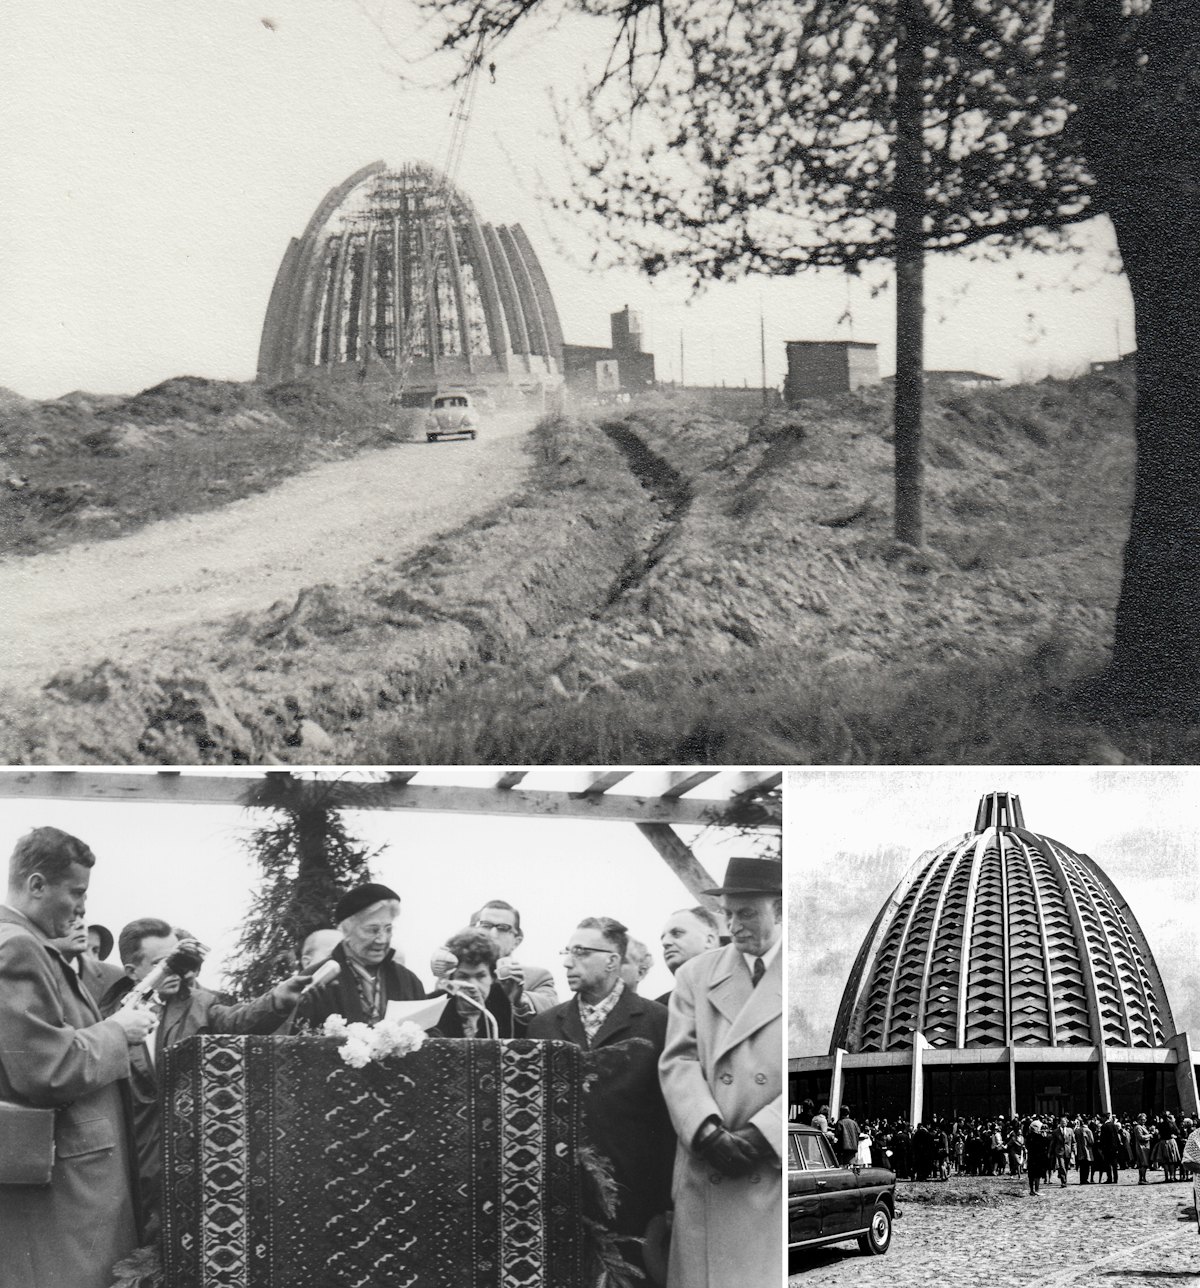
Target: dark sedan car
x,y
828,1203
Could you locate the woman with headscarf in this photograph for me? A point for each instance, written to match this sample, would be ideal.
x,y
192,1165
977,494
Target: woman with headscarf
x,y
1168,1147
1141,1140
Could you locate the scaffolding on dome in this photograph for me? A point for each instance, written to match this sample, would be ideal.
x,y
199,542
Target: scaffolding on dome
x,y
396,279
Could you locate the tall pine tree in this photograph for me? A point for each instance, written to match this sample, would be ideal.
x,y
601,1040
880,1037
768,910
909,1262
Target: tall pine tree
x,y
308,860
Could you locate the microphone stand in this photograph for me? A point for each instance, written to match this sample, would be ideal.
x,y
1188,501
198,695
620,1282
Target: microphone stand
x,y
493,1027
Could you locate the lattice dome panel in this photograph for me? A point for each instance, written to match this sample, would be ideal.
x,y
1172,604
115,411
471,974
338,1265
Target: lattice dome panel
x,y
1004,938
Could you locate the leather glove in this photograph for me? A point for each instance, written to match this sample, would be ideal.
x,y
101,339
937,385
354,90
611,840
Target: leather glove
x,y
728,1153
755,1140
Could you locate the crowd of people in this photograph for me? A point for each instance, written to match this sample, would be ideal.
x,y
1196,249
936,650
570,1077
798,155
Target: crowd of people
x,y
1041,1148
696,1099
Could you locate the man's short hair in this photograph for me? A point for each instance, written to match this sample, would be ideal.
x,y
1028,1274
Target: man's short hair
x,y
636,953
51,852
611,929
706,917
474,948
500,903
129,943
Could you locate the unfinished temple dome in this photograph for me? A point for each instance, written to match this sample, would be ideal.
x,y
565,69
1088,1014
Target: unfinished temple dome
x,y
396,279
1004,938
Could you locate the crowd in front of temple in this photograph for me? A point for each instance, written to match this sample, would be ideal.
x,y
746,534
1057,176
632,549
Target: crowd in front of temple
x,y
689,1116
1095,1149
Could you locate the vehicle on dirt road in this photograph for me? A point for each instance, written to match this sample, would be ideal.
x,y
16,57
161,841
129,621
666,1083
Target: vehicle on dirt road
x,y
828,1203
451,415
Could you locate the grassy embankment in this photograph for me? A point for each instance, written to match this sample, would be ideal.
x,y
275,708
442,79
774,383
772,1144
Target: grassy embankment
x,y
86,467
674,588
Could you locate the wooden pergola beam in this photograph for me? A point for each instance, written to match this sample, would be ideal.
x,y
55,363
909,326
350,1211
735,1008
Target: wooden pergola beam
x,y
682,783
397,793
602,782
680,859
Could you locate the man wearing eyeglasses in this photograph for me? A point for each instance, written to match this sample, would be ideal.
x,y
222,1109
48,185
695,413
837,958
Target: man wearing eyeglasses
x,y
722,1075
529,989
627,1117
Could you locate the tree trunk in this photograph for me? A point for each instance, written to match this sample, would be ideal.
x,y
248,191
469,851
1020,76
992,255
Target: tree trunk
x,y
909,201
1138,93
1155,665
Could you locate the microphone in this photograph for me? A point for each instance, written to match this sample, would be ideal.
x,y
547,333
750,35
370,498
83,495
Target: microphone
x,y
457,988
322,975
442,963
179,962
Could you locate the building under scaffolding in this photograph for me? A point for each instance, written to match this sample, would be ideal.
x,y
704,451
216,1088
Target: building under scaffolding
x,y
396,279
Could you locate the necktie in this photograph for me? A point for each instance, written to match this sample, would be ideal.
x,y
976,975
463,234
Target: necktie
x,y
758,972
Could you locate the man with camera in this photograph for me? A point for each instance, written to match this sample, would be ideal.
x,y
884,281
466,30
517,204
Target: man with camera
x,y
67,1209
160,979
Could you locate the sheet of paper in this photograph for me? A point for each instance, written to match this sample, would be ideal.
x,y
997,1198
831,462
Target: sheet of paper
x,y
423,1013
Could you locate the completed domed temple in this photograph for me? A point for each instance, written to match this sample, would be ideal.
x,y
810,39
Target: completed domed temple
x,y
1005,974
396,279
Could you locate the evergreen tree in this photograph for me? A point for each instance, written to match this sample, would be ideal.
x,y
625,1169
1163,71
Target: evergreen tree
x,y
308,860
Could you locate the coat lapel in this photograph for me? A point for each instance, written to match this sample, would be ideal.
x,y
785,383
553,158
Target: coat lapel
x,y
729,984
761,1005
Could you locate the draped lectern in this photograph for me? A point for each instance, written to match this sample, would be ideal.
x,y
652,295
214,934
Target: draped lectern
x,y
455,1166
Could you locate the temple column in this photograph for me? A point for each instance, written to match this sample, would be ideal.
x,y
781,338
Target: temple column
x,y
916,1090
341,254
499,342
366,334
518,335
459,299
531,310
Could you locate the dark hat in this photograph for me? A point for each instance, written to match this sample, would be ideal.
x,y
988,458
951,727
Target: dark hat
x,y
106,940
363,896
751,876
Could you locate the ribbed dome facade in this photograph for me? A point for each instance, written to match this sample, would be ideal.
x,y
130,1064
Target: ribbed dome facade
x,y
1004,938
397,277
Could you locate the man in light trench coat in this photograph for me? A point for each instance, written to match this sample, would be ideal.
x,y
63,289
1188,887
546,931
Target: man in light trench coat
x,y
56,1053
722,1077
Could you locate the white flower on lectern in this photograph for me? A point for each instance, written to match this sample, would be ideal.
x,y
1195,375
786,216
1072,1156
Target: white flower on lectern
x,y
363,1043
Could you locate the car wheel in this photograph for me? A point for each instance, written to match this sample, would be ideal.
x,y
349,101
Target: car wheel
x,y
472,435
431,438
879,1233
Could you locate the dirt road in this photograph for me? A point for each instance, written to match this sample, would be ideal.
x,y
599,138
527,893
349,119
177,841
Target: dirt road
x,y
117,599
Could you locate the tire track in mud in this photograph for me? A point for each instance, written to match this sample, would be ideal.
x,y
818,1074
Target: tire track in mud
x,y
670,492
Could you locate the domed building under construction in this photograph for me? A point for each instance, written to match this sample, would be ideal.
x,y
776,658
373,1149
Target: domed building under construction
x,y
396,279
1005,974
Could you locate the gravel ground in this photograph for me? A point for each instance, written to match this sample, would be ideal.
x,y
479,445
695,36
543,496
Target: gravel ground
x,y
1095,1236
122,599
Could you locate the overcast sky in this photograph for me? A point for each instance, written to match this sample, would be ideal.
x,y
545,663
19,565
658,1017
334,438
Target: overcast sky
x,y
158,157
188,865
852,834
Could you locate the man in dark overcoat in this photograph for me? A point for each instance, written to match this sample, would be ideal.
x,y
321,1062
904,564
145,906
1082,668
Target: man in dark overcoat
x,y
56,1053
626,1114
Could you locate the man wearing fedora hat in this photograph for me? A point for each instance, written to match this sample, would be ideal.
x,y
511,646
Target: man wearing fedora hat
x,y
722,1076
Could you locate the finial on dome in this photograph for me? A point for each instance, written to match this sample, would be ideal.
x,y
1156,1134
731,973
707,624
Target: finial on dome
x,y
999,809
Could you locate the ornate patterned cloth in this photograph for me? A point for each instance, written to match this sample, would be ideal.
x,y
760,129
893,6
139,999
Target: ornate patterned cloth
x,y
454,1165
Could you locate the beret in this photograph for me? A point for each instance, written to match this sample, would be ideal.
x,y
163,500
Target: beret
x,y
106,939
363,896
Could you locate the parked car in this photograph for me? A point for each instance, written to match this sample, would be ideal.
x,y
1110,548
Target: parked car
x,y
451,415
828,1203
